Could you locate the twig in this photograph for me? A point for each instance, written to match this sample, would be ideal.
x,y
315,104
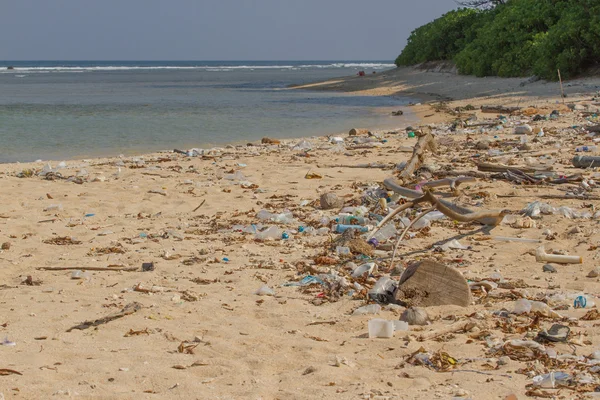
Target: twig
x,y
553,196
128,269
127,310
456,327
481,372
201,204
6,371
562,90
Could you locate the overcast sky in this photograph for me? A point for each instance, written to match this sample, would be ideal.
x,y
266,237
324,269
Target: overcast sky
x,y
211,29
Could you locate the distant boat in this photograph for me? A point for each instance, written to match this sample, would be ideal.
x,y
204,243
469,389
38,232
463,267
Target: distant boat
x,y
10,67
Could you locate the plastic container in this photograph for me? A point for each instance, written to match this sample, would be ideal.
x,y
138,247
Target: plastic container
x,y
401,326
381,328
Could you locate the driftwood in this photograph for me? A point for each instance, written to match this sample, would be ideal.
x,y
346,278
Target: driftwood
x,y
128,269
499,109
453,183
426,142
129,309
451,210
428,283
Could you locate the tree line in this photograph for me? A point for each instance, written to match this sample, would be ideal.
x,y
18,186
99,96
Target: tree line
x,y
512,38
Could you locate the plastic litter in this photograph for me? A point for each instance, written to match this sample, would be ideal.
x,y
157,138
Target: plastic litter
x,y
368,310
384,290
381,328
264,290
368,269
552,380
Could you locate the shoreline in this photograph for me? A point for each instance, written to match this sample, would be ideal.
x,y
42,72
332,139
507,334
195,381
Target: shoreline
x,y
172,238
405,120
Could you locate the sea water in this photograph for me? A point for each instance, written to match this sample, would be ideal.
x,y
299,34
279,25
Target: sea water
x,y
56,110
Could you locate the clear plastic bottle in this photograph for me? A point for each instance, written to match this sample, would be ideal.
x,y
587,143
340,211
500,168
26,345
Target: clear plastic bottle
x,y
340,228
386,232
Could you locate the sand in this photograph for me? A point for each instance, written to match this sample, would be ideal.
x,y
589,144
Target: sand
x,y
203,333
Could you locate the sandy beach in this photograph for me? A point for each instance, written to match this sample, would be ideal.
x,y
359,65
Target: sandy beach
x,y
193,326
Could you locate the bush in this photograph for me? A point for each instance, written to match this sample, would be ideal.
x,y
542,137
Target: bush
x,y
440,39
519,38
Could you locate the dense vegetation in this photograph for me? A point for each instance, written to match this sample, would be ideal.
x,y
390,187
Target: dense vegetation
x,y
517,38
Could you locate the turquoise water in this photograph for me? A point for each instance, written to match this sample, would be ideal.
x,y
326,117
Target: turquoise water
x,y
63,110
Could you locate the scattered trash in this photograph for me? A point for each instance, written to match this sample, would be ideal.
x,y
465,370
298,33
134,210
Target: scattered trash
x,y
381,328
541,256
415,316
264,290
147,266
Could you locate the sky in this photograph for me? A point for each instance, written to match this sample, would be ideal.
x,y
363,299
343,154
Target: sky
x,y
211,29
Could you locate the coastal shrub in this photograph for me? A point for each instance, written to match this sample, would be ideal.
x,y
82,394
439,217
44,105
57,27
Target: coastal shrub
x,y
517,38
440,39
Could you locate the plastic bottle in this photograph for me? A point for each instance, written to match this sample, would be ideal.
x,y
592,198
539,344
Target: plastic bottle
x,y
340,228
386,232
350,220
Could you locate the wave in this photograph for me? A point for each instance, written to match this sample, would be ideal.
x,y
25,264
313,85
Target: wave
x,y
208,68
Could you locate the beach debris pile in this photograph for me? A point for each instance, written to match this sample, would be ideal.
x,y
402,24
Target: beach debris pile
x,y
417,257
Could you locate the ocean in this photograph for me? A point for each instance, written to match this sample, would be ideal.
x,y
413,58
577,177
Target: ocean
x,y
57,110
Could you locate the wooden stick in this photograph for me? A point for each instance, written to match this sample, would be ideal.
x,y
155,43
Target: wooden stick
x,y
456,327
562,90
127,310
129,269
201,204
